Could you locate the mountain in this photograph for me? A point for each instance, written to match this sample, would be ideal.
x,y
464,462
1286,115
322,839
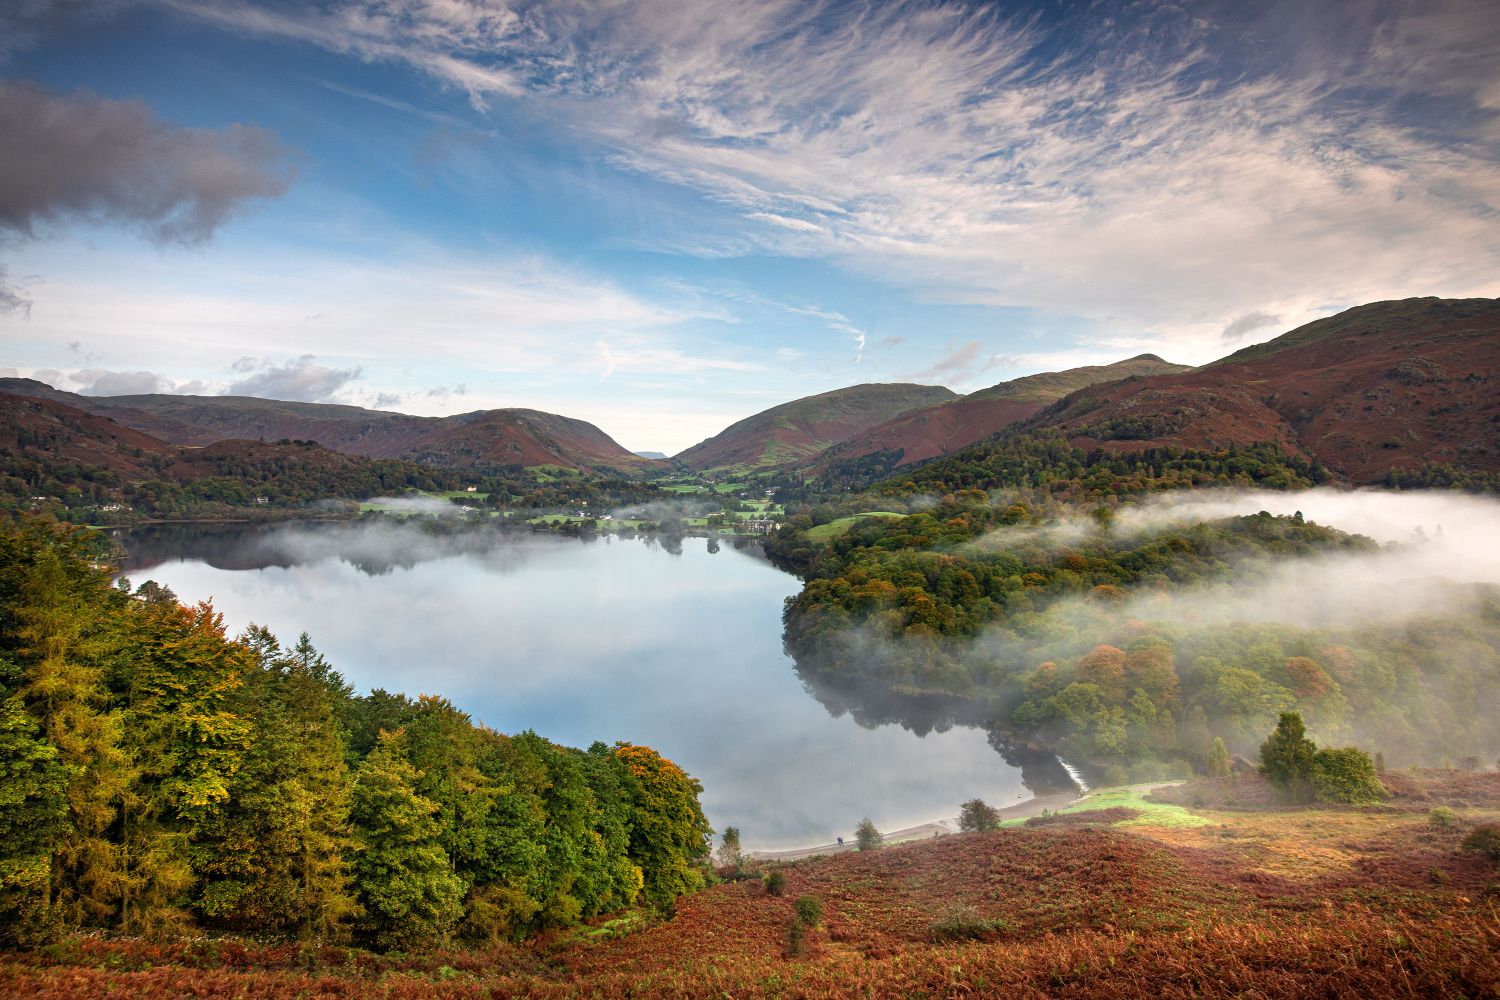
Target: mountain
x,y
955,423
796,432
77,463
482,439
658,456
1399,385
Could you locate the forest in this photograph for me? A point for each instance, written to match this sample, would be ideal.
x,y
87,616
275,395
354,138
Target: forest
x,y
158,775
1114,645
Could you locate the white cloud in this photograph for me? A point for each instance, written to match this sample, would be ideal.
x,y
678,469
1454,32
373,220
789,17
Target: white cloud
x,y
301,379
1162,174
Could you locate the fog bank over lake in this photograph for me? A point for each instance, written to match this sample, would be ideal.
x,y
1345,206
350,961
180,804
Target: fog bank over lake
x,y
585,640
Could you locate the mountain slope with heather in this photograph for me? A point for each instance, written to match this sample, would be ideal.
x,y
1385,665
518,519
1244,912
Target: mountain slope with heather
x,y
953,424
796,432
1399,386
68,462
482,439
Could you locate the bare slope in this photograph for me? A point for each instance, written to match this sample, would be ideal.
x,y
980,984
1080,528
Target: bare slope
x,y
795,432
1390,385
481,439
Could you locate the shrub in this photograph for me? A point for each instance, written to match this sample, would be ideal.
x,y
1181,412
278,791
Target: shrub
x,y
975,816
1484,840
796,938
866,837
775,883
961,922
810,910
1442,816
1347,775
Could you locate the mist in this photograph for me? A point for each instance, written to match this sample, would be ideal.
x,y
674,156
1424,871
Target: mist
x,y
1433,548
1407,616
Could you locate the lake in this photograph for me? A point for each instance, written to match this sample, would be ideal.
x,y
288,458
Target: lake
x,y
593,639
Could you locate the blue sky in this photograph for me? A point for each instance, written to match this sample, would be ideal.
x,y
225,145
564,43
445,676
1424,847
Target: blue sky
x,y
663,216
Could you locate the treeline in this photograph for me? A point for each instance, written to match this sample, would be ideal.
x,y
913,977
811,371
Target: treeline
x,y
1068,633
1048,463
204,482
228,478
159,775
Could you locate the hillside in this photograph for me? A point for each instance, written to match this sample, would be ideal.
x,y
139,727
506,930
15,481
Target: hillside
x,y
1401,385
80,463
796,432
956,423
1142,900
482,439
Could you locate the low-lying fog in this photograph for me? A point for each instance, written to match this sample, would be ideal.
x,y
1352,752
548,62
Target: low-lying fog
x,y
591,640
1432,547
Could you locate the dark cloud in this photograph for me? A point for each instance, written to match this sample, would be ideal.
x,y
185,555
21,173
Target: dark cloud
x,y
387,400
86,156
444,391
302,380
892,341
1243,325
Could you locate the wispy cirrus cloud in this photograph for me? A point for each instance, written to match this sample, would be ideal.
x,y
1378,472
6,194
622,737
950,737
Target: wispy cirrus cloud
x,y
1157,171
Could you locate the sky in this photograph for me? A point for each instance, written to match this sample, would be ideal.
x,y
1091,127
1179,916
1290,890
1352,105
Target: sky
x,y
664,215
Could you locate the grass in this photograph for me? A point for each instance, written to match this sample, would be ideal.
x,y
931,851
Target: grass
x,y
836,528
1151,813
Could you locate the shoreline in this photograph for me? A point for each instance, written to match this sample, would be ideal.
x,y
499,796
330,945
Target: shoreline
x,y
923,831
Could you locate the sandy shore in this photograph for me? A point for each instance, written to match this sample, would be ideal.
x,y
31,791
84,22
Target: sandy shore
x,y
937,828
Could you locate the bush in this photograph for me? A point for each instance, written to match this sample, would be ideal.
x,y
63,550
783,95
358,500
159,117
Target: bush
x,y
796,938
975,816
1442,816
961,922
1347,775
775,883
1484,840
866,837
810,910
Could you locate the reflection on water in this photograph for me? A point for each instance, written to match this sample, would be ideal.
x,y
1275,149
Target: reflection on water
x,y
602,639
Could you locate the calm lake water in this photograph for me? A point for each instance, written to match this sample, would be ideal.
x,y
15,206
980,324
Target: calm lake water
x,y
594,639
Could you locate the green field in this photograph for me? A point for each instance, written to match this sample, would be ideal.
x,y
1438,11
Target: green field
x,y
833,529
1131,797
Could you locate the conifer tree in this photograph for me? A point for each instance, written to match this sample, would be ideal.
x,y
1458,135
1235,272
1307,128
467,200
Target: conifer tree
x,y
410,895
176,681
1218,759
33,815
57,604
275,857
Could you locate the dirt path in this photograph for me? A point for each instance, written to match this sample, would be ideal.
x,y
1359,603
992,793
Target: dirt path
x,y
938,828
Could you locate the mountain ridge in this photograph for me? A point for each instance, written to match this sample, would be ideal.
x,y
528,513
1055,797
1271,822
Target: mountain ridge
x,y
478,439
954,424
800,429
1397,385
